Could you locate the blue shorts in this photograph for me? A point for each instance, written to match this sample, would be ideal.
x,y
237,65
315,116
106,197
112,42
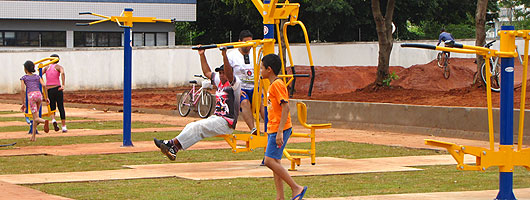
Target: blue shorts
x,y
248,95
272,149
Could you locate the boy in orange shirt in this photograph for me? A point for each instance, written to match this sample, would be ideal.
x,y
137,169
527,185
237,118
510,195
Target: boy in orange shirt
x,y
279,127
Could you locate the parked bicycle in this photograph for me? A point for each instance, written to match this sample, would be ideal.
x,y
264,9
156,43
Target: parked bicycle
x,y
200,99
495,69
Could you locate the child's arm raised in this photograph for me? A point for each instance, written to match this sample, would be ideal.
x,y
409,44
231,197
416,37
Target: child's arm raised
x,y
204,64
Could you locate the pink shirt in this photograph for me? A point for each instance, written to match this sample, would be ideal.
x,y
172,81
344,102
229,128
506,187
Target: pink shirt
x,y
52,75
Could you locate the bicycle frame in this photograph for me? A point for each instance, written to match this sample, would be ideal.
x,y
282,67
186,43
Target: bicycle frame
x,y
195,96
495,61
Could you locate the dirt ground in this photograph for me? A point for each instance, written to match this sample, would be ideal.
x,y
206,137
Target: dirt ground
x,y
419,85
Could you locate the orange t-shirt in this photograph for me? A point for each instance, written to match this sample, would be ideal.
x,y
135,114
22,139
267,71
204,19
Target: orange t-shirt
x,y
276,95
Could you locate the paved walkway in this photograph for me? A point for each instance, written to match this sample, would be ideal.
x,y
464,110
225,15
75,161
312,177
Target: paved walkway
x,y
15,192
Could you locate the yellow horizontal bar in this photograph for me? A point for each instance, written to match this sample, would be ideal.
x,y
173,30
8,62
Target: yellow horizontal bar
x,y
245,45
99,21
505,54
102,16
163,20
456,50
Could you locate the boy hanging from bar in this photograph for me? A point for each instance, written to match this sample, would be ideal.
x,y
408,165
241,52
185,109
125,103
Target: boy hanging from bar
x,y
224,119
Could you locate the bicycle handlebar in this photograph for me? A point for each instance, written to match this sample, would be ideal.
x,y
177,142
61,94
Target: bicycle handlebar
x,y
490,44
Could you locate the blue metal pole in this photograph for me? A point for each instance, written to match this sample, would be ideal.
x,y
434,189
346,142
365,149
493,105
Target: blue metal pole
x,y
40,88
506,121
127,82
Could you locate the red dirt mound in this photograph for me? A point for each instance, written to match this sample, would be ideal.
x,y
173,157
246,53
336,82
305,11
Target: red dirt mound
x,y
330,79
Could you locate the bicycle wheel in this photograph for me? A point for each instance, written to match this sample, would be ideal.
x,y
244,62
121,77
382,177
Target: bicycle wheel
x,y
440,59
446,70
184,104
204,106
495,76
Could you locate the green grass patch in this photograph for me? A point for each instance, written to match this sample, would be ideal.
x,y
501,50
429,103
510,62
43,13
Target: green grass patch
x,y
22,119
431,179
49,164
97,125
4,112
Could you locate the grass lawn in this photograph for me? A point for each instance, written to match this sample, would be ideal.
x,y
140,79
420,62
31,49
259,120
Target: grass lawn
x,y
99,125
22,119
431,179
3,112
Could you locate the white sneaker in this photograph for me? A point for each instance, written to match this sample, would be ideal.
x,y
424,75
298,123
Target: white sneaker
x,y
64,129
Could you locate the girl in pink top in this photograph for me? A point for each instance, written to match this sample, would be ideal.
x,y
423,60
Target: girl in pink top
x,y
55,91
30,85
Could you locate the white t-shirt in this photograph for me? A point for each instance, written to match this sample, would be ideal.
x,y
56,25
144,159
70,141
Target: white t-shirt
x,y
243,70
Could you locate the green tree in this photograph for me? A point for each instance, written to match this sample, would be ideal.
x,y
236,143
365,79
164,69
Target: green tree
x,y
384,34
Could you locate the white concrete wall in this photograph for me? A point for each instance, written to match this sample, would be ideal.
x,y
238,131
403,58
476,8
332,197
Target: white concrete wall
x,y
102,68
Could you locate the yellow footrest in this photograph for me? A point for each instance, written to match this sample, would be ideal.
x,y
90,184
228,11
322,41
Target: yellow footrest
x,y
305,135
299,157
301,151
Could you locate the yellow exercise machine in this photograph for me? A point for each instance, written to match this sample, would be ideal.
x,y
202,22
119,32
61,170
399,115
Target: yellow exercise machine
x,y
41,64
302,118
272,12
506,156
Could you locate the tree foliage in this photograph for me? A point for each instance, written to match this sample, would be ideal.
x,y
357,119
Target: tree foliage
x,y
331,20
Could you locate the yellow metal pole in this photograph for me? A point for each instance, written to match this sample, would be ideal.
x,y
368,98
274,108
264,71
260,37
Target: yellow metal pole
x,y
287,43
490,107
306,40
256,94
523,96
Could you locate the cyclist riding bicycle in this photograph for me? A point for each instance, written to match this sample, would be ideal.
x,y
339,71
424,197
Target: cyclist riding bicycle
x,y
445,36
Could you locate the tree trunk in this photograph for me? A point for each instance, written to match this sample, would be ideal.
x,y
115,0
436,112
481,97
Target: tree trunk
x,y
384,35
480,33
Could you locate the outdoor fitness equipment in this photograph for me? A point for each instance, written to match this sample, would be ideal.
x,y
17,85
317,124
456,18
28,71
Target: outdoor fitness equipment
x,y
506,157
127,19
272,12
27,113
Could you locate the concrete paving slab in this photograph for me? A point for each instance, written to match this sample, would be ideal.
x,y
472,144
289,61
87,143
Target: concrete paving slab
x,y
236,169
521,194
101,148
11,191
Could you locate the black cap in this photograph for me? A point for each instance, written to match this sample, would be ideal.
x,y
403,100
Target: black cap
x,y
220,68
